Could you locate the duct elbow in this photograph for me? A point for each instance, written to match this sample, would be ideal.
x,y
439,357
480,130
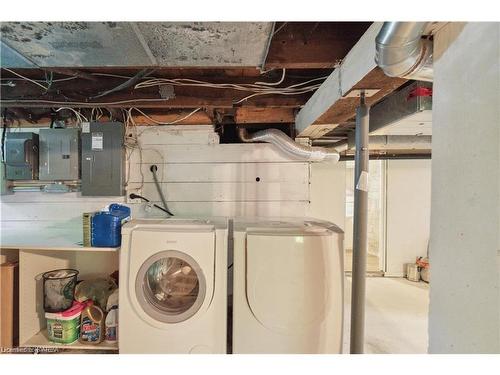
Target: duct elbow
x,y
401,51
288,146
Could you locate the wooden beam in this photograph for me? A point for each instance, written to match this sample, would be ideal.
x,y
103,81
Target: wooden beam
x,y
344,109
242,115
76,93
306,45
198,118
74,73
323,106
251,115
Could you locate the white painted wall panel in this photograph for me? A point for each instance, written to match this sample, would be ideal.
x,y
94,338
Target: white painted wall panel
x,y
464,311
223,153
200,178
227,172
328,192
225,191
407,212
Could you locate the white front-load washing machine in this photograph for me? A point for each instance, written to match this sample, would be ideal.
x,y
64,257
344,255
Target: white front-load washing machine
x,y
288,286
173,285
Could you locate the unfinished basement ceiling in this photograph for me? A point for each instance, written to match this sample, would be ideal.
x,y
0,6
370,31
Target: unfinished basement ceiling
x,y
122,44
97,65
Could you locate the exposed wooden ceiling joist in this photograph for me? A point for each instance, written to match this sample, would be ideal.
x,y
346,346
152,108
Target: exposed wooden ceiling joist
x,y
242,115
255,115
344,109
307,50
307,45
80,93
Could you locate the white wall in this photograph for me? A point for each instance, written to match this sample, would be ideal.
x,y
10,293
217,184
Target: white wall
x,y
408,203
464,314
200,177
327,193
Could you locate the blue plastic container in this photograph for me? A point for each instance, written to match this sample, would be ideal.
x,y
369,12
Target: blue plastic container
x,y
107,226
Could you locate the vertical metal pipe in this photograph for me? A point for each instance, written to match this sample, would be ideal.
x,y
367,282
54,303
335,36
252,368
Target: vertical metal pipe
x,y
360,233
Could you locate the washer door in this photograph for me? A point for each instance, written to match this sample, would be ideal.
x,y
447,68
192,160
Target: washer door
x,y
170,286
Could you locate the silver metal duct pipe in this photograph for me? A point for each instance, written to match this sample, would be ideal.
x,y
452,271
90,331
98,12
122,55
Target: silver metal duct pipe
x,y
289,146
401,51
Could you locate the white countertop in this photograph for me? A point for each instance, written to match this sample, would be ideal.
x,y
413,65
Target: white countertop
x,y
48,237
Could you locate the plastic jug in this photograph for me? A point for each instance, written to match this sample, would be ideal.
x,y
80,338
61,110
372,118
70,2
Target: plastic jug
x,y
112,325
92,325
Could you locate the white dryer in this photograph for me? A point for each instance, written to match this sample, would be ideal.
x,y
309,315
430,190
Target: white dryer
x,y
288,286
173,285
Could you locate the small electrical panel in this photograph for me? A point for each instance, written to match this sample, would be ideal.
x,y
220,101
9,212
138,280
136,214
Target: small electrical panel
x,y
21,156
103,161
59,154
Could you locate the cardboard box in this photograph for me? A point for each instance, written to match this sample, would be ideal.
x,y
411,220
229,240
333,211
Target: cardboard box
x,y
9,305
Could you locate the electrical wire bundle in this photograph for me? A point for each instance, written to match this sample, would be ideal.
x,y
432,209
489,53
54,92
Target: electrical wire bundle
x,y
257,88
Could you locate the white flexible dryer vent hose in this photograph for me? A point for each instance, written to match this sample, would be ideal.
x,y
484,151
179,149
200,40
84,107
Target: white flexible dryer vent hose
x,y
289,146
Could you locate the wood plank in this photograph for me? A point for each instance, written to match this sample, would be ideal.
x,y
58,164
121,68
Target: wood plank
x,y
75,93
27,119
252,115
263,209
225,172
345,109
305,45
224,153
177,135
317,131
224,191
9,289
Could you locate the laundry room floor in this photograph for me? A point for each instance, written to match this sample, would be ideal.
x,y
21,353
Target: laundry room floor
x,y
396,316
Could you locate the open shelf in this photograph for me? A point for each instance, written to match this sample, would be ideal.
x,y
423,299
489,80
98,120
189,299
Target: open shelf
x,y
32,264
41,340
63,248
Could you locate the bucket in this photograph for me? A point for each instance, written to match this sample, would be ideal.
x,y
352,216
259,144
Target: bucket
x,y
412,272
58,289
64,327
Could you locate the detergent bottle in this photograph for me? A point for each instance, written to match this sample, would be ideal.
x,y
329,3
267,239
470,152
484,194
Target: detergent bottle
x,y
92,325
112,325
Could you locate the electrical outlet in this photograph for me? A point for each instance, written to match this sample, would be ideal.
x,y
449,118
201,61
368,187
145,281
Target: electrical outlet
x,y
135,200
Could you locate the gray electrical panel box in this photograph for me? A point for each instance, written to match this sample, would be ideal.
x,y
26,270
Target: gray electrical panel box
x,y
21,156
59,154
103,162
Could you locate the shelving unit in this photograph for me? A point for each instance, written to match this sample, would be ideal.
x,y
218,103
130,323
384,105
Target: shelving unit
x,y
33,262
41,340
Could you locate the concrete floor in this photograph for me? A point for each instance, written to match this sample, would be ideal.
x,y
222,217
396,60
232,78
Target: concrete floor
x,y
396,316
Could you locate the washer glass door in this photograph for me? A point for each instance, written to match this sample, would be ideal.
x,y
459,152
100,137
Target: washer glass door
x,y
170,286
